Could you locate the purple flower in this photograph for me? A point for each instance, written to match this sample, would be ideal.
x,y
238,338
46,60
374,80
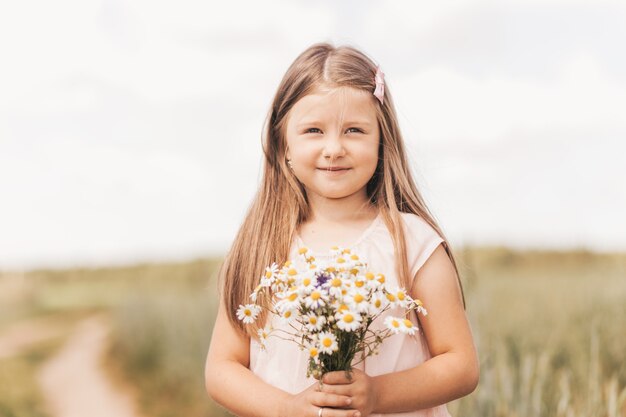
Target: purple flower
x,y
322,278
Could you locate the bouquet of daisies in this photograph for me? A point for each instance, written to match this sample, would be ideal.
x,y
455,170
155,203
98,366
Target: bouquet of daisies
x,y
329,307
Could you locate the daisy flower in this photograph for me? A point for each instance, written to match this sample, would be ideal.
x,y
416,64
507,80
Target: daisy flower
x,y
248,313
269,276
419,307
377,303
336,250
312,348
336,286
289,300
357,299
360,282
255,293
371,281
313,322
307,283
408,327
289,315
398,297
316,299
263,335
348,320
394,324
327,342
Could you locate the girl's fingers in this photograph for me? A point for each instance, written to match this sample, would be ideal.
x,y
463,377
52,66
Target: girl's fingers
x,y
337,377
325,399
345,390
335,412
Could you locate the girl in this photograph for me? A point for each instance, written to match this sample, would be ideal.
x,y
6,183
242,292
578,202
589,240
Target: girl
x,y
336,173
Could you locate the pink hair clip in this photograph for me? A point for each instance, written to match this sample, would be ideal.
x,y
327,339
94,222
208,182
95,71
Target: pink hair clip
x,y
379,92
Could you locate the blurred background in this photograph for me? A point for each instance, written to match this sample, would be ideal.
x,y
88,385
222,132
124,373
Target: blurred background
x,y
130,148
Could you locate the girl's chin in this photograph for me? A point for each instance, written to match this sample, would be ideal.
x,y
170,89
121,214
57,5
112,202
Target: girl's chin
x,y
338,194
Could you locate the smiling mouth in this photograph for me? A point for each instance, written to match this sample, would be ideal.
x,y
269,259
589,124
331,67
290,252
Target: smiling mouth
x,y
333,169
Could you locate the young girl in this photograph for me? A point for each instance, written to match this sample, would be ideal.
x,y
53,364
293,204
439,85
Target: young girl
x,y
336,174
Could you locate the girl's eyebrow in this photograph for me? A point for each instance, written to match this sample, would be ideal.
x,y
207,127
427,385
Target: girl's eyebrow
x,y
349,122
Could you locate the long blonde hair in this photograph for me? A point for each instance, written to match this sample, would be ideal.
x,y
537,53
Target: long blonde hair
x,y
280,204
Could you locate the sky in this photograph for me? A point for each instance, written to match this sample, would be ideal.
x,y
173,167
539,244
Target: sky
x,y
131,130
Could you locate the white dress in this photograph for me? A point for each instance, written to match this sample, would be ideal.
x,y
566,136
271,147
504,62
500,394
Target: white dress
x,y
283,365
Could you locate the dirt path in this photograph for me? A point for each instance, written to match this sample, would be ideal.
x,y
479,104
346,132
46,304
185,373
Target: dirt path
x,y
73,382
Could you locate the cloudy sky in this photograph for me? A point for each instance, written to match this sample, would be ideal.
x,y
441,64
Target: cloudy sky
x,y
130,129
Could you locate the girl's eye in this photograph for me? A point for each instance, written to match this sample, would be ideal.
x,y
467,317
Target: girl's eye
x,y
350,130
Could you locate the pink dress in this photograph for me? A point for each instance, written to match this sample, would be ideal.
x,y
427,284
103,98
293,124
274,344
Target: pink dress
x,y
283,365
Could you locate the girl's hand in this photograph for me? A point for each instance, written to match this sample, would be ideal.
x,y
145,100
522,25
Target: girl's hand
x,y
360,388
308,404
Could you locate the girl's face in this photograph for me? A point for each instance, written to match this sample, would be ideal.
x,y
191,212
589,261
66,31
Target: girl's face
x,y
332,142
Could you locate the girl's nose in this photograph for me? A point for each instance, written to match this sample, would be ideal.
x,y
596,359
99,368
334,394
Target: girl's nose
x,y
333,147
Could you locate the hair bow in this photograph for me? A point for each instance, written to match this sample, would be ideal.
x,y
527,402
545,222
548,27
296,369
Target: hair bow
x,y
379,92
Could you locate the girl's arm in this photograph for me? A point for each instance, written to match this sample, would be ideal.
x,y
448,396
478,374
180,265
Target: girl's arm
x,y
453,370
231,384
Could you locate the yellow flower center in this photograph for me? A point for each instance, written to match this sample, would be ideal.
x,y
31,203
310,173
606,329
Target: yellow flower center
x,y
377,303
327,342
268,274
359,284
247,312
354,257
302,251
313,352
400,296
292,272
395,323
369,276
342,307
358,298
315,295
381,278
287,314
408,323
293,296
340,260
306,281
336,282
391,297
348,318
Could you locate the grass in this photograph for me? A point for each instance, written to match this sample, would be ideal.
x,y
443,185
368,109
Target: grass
x,y
19,393
549,328
548,325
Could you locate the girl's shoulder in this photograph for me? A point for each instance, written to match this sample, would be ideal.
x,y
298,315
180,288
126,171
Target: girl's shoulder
x,y
417,226
421,240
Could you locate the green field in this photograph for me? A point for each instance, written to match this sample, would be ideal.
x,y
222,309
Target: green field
x,y
550,328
